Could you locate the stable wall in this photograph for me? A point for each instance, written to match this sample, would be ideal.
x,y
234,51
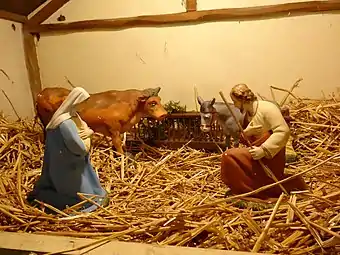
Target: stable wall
x,y
212,56
12,62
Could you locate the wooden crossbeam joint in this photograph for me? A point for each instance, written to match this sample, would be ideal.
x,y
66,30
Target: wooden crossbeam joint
x,y
191,5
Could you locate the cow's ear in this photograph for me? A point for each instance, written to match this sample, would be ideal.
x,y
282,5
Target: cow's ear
x,y
156,91
212,101
151,92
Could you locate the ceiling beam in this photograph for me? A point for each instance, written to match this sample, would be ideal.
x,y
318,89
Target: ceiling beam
x,y
192,17
12,16
47,11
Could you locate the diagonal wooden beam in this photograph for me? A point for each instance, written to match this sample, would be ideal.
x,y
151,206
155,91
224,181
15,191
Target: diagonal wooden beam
x,y
12,16
193,17
47,11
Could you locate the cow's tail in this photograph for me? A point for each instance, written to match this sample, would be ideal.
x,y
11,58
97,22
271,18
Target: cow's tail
x,y
41,123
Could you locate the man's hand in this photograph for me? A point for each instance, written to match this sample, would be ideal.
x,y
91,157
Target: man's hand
x,y
257,153
253,130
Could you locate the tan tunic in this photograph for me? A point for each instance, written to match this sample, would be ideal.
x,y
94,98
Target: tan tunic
x,y
269,116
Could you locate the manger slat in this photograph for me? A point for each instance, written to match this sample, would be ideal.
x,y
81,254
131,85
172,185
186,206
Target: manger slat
x,y
258,12
193,144
49,243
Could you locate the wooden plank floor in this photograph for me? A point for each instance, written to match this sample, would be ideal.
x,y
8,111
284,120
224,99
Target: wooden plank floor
x,y
49,243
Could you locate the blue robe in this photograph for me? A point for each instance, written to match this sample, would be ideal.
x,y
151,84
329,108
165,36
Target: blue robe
x,y
66,170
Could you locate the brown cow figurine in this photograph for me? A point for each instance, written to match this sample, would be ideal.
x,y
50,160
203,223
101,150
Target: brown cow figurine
x,y
110,112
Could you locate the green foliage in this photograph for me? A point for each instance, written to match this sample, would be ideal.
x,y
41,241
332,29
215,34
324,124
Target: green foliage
x,y
174,107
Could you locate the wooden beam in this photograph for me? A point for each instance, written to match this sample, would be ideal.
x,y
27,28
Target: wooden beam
x,y
32,65
259,12
49,243
47,11
12,17
191,5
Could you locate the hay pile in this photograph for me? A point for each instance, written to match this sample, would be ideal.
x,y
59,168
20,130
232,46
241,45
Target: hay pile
x,y
177,198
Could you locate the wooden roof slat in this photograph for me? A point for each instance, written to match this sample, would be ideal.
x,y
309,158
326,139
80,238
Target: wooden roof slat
x,y
21,7
47,11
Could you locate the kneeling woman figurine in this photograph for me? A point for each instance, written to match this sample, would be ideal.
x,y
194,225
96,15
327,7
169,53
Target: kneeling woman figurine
x,y
67,169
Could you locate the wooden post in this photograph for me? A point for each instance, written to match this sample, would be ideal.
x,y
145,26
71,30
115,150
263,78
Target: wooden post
x,y
32,64
31,57
191,5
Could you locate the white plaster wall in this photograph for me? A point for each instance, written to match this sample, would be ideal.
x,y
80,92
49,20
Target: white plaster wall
x,y
12,62
212,56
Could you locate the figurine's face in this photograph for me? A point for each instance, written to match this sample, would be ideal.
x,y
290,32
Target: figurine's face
x,y
206,111
238,103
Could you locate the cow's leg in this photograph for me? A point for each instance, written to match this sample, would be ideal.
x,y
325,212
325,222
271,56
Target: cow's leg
x,y
117,142
127,154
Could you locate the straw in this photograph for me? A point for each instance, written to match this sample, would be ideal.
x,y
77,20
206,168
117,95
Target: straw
x,y
177,197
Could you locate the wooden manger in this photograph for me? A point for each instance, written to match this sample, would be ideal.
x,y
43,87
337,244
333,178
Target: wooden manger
x,y
175,131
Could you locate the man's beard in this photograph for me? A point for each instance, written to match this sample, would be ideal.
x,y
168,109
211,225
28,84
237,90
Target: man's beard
x,y
242,109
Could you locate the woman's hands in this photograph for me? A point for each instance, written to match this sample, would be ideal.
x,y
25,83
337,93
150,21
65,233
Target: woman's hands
x,y
85,133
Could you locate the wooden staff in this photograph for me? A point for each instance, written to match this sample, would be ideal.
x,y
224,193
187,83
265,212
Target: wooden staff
x,y
265,168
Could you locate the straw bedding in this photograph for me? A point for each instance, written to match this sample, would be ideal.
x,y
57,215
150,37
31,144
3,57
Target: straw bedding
x,y
177,197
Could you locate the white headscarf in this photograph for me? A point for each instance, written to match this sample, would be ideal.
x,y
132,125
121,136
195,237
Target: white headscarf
x,y
66,109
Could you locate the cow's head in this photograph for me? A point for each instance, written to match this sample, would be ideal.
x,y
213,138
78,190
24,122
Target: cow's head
x,y
151,103
207,112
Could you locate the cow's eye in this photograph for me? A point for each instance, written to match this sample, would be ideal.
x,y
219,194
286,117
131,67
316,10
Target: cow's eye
x,y
153,103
